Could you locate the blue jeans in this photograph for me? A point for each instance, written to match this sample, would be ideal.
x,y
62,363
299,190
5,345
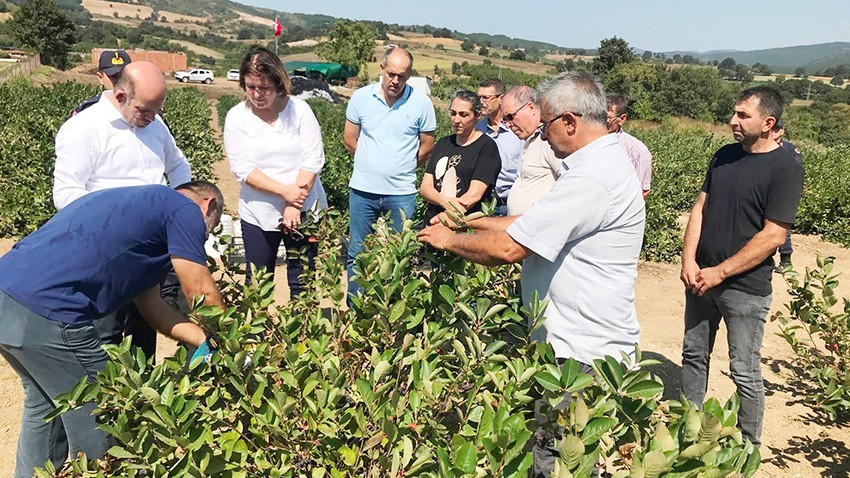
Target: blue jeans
x,y
50,357
365,209
745,315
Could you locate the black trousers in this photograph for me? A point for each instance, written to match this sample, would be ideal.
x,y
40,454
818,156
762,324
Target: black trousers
x,y
261,250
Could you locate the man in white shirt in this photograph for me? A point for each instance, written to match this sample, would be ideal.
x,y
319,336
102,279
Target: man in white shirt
x,y
584,262
121,141
539,168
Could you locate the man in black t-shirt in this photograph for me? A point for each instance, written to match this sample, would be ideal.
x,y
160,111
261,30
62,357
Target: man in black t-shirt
x,y
747,204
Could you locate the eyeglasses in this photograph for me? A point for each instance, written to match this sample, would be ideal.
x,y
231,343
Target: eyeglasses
x,y
510,116
544,125
487,97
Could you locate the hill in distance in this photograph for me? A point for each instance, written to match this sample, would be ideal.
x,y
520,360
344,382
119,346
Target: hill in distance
x,y
811,57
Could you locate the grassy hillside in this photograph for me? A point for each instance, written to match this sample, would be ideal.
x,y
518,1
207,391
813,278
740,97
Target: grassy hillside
x,y
811,57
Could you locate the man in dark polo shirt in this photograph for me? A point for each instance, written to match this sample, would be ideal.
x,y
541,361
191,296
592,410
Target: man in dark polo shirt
x,y
747,204
103,250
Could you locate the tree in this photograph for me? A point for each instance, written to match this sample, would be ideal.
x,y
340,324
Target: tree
x,y
612,52
40,25
647,55
677,58
440,46
483,51
517,55
800,72
727,64
467,45
349,43
837,80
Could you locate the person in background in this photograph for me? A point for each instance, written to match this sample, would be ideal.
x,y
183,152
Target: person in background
x,y
105,249
274,146
618,108
389,129
490,92
109,68
786,249
121,141
539,167
464,166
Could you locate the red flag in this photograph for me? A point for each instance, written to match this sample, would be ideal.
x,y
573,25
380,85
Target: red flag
x,y
278,28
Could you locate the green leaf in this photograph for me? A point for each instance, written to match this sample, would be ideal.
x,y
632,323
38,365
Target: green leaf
x,y
547,381
646,389
596,428
464,455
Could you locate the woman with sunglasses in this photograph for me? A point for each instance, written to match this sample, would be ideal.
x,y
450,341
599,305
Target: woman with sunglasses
x,y
274,146
464,166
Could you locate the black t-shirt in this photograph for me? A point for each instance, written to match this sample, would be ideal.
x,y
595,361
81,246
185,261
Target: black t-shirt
x,y
479,160
743,190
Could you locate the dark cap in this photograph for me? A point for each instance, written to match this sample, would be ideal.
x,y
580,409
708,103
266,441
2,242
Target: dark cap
x,y
113,61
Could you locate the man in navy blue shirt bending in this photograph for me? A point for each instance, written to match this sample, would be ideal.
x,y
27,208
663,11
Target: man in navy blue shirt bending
x,y
100,252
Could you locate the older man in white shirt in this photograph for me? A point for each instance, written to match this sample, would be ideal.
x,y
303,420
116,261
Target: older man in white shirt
x,y
121,141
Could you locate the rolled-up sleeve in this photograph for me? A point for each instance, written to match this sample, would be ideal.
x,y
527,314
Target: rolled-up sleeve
x,y
313,151
236,146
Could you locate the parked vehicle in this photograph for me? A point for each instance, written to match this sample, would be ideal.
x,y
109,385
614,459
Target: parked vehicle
x,y
233,75
196,74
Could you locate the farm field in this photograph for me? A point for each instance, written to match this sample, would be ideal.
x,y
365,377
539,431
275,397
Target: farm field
x,y
796,442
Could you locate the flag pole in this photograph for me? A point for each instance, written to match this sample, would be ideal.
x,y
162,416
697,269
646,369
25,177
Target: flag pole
x,y
276,23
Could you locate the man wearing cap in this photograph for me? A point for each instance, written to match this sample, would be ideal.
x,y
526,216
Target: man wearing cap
x,y
491,91
638,152
121,141
107,248
108,68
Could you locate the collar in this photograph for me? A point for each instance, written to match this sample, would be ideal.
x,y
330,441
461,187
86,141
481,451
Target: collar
x,y
484,126
376,92
110,112
575,159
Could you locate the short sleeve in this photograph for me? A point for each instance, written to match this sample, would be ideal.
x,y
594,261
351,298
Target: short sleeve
x,y
706,184
436,154
187,233
352,111
784,194
428,119
489,163
574,208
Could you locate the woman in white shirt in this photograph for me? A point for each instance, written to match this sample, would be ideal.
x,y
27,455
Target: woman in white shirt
x,y
274,146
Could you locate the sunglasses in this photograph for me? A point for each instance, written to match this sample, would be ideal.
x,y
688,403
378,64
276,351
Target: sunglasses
x,y
510,116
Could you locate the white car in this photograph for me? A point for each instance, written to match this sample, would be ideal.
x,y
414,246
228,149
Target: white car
x,y
233,75
195,74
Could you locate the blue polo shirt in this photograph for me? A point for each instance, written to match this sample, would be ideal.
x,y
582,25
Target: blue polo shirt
x,y
101,251
510,151
388,146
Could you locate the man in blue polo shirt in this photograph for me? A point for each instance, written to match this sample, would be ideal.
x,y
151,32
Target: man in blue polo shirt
x,y
95,255
389,130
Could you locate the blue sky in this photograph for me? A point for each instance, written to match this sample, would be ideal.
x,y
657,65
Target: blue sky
x,y
647,25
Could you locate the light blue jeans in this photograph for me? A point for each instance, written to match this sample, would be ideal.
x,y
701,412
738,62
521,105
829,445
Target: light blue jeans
x,y
50,357
745,315
365,209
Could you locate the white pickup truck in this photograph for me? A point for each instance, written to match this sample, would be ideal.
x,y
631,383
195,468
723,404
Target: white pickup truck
x,y
195,74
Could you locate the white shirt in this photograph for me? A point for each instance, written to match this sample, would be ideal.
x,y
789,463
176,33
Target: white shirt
x,y
538,171
97,149
586,235
280,150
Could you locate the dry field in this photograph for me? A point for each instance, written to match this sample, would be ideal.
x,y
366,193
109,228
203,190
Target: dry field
x,y
202,50
172,17
125,10
255,19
